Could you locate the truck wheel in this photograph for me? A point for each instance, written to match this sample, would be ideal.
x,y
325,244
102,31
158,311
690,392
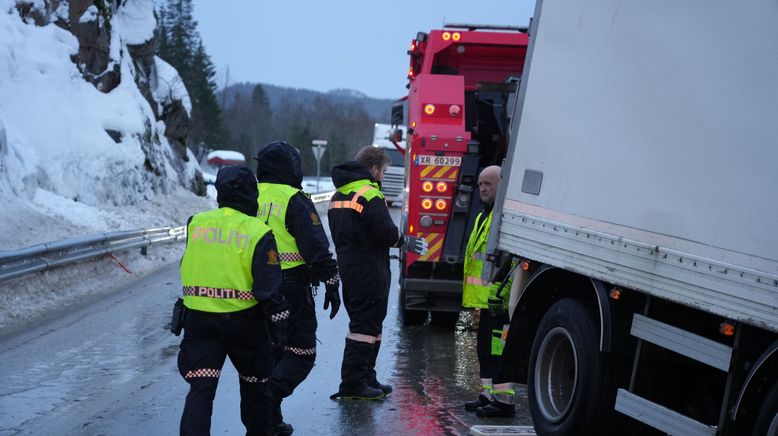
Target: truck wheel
x,y
444,319
414,317
571,387
410,317
767,420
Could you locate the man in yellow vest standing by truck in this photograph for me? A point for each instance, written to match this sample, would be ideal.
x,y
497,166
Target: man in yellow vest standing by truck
x,y
306,261
496,399
231,275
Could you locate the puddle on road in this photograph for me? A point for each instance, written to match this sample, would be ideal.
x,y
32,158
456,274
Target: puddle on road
x,y
434,371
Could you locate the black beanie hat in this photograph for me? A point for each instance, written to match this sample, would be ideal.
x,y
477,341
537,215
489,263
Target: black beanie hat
x,y
236,187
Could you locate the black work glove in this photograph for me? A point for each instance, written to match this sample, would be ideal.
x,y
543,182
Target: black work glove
x,y
278,330
496,306
415,245
331,296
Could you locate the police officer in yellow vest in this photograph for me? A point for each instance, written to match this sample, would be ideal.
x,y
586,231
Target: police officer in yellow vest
x,y
230,274
305,260
495,399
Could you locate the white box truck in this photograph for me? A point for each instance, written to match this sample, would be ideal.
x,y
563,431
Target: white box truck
x,y
640,191
394,177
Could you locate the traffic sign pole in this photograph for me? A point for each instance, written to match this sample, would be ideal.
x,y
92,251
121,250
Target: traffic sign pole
x,y
319,146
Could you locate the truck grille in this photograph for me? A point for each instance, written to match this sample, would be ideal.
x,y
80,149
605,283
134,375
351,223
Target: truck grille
x,y
392,184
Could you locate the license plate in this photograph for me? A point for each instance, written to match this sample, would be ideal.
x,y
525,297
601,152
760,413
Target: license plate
x,y
450,161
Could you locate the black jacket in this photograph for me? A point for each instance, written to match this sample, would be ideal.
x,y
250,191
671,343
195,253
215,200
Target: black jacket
x,y
360,237
280,163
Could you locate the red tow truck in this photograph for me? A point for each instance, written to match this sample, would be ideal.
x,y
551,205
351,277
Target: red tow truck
x,y
460,82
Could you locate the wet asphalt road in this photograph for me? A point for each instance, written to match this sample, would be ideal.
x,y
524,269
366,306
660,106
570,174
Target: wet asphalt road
x,y
110,369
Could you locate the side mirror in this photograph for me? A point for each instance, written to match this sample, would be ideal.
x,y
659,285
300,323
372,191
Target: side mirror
x,y
396,135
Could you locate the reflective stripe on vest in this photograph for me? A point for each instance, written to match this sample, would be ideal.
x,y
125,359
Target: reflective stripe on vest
x,y
216,267
477,281
353,203
202,291
273,202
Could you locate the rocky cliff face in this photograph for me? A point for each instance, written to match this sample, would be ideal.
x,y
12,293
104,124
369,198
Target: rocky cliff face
x,y
116,47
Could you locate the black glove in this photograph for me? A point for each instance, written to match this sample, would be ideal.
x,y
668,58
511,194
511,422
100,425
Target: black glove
x,y
331,296
415,245
496,306
278,330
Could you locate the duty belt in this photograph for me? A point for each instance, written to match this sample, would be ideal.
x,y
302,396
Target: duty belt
x,y
203,291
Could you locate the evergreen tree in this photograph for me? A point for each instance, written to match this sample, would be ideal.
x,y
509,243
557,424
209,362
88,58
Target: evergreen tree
x,y
179,44
260,117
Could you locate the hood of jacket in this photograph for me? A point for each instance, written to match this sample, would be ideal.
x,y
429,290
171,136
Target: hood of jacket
x,y
350,171
279,162
236,187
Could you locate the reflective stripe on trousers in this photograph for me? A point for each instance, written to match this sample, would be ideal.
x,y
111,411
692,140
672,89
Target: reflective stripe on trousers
x,y
359,337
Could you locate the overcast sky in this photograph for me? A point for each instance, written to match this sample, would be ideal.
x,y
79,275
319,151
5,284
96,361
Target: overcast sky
x,y
322,45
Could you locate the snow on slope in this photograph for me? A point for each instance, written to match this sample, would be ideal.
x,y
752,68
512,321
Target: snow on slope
x,y
61,174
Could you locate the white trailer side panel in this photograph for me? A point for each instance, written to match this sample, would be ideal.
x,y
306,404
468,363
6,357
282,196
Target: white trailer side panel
x,y
655,128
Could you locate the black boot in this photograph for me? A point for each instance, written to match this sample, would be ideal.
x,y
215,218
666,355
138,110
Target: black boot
x,y
472,406
371,375
353,373
496,409
280,427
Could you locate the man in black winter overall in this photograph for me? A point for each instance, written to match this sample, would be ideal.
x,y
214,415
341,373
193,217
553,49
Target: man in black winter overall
x,y
303,249
363,232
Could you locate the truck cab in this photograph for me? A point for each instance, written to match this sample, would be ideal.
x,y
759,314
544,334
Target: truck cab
x,y
392,186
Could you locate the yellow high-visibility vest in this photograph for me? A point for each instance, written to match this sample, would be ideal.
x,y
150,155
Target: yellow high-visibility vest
x,y
216,267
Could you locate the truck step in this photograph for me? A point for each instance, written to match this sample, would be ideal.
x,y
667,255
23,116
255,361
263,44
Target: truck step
x,y
502,430
659,417
682,342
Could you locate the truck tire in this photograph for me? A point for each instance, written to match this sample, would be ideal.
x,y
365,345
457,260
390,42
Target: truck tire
x,y
571,386
410,317
444,319
767,419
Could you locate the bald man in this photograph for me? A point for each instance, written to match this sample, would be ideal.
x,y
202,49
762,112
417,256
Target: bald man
x,y
494,399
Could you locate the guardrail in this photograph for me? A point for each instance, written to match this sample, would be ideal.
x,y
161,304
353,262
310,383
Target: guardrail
x,y
15,263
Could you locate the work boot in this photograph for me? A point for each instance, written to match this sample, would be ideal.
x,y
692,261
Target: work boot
x,y
353,373
280,427
364,392
472,406
496,409
371,375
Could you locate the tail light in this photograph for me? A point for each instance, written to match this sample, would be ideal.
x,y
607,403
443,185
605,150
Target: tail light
x,y
427,186
429,109
456,36
440,204
441,187
446,36
426,204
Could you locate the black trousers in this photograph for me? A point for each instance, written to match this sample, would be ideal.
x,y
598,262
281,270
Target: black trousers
x,y
208,339
489,365
295,362
366,297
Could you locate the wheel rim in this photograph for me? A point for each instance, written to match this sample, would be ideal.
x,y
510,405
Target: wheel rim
x,y
773,429
556,374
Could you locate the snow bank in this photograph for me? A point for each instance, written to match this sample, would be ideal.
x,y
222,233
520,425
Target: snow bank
x,y
62,174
